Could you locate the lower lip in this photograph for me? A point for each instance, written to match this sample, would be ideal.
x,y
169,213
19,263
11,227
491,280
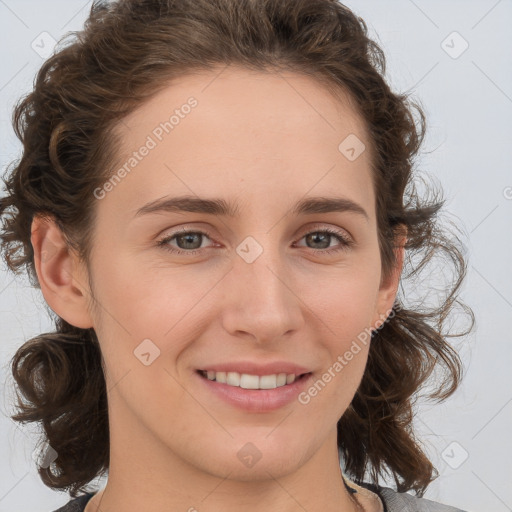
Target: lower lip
x,y
257,400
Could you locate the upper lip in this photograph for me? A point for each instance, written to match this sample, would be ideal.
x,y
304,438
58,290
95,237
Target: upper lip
x,y
254,368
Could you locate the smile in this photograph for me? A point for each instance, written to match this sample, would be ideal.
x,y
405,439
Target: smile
x,y
248,381
257,398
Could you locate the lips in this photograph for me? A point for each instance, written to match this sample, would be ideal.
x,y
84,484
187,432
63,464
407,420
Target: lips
x,y
255,368
248,381
253,400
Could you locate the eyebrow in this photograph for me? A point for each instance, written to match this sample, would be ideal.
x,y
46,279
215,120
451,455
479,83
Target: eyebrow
x,y
221,207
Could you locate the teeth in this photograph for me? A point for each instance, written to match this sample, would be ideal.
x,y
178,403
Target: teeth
x,y
233,379
247,381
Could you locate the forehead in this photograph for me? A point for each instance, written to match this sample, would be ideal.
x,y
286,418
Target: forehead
x,y
233,128
278,98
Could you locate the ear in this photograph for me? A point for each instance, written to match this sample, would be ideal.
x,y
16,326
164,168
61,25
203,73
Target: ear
x,y
389,287
63,280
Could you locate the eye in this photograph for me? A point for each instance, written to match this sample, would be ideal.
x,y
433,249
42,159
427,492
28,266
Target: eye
x,y
326,235
186,238
191,241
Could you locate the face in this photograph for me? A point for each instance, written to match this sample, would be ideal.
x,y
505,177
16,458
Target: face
x,y
179,291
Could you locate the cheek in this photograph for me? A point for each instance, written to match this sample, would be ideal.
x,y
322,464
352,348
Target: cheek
x,y
142,323
146,302
343,312
345,301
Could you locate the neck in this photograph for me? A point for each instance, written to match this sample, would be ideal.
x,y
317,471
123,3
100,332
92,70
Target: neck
x,y
148,476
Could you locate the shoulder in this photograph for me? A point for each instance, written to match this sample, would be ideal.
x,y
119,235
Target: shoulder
x,y
76,504
403,502
394,501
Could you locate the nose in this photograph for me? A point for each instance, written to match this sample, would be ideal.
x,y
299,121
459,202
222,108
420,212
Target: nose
x,y
262,300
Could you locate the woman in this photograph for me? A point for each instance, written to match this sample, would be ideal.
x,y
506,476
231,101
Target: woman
x,y
182,160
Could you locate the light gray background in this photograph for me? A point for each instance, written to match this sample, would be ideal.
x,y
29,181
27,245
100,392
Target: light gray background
x,y
468,102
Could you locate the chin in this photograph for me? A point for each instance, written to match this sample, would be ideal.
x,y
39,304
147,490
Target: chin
x,y
259,459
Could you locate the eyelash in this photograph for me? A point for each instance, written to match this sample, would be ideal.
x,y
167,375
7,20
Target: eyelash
x,y
163,243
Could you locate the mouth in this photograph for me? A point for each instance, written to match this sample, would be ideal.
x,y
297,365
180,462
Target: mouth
x,y
254,393
253,382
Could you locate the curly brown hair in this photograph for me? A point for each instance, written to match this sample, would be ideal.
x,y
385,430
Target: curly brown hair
x,y
127,52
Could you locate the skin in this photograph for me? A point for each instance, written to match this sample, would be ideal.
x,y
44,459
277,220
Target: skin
x,y
266,140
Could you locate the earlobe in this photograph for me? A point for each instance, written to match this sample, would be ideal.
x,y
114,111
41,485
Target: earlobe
x,y
63,284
